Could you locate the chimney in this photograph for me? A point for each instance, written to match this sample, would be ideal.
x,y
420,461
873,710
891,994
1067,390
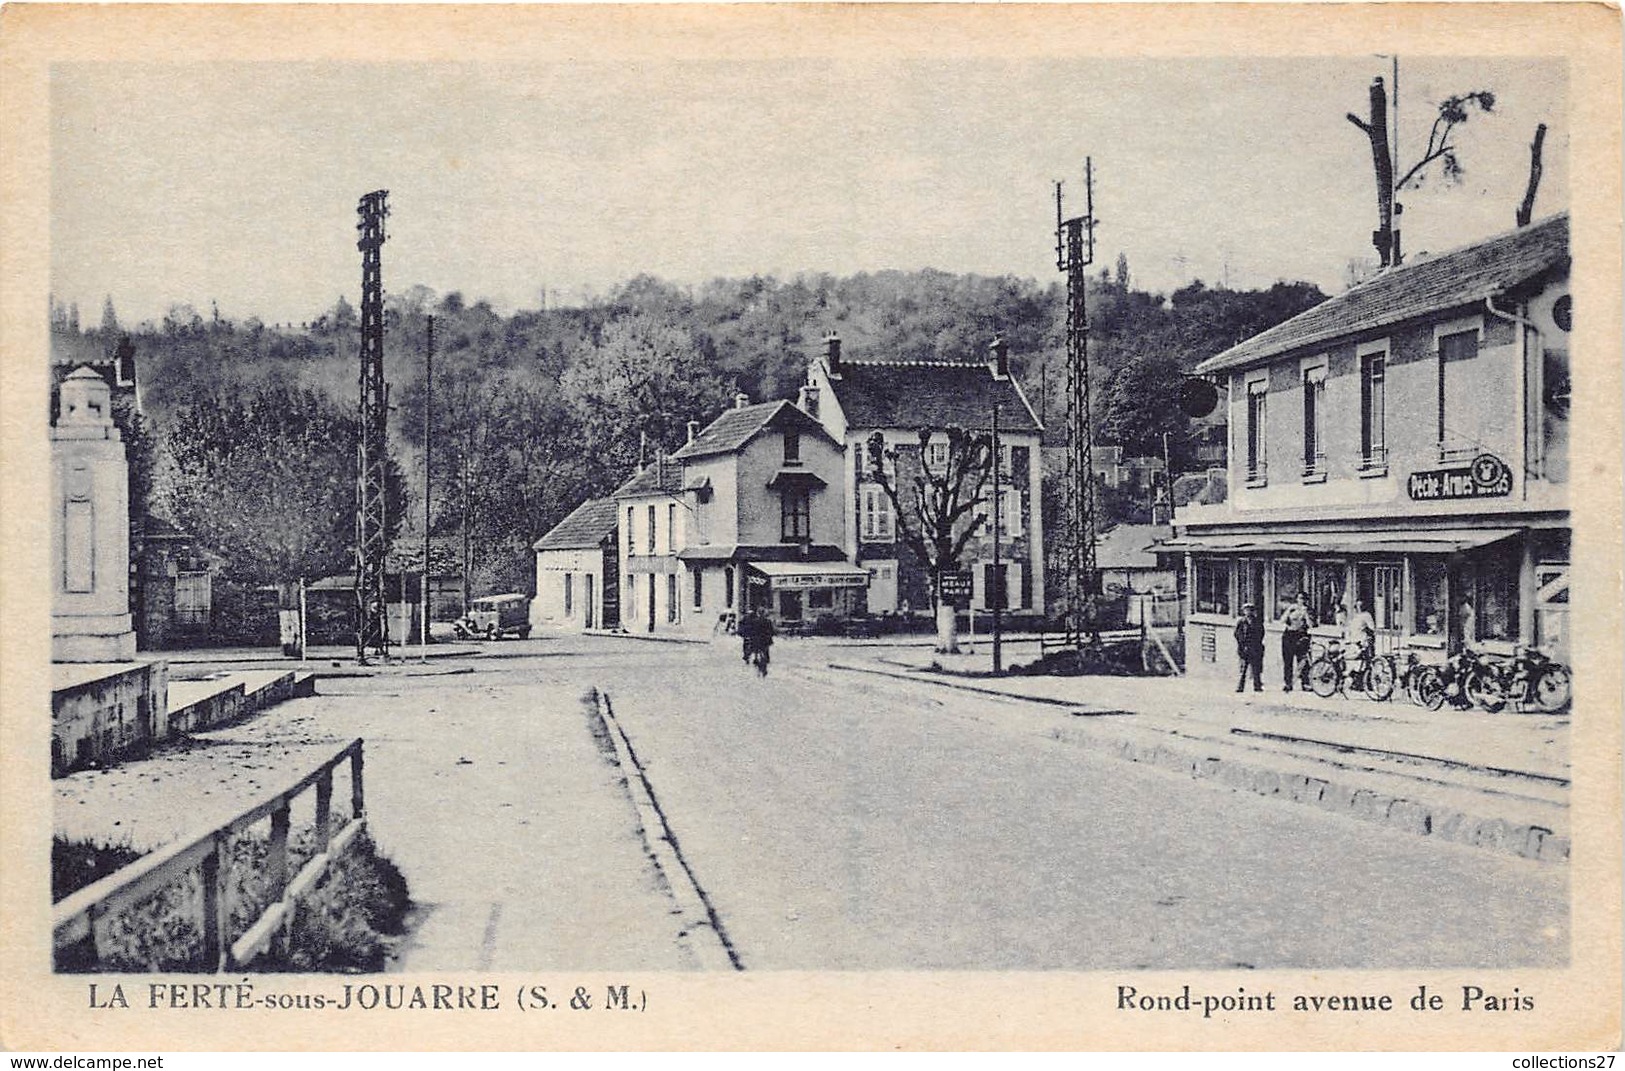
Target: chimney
x,y
832,354
741,400
998,358
807,402
693,429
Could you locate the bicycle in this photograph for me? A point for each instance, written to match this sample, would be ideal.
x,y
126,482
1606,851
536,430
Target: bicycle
x,y
1330,674
759,659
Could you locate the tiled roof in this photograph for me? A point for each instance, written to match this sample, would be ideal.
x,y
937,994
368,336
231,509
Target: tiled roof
x,y
1451,280
736,427
660,476
1126,546
587,526
875,394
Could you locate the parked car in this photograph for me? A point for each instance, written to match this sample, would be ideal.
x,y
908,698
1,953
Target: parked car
x,y
496,616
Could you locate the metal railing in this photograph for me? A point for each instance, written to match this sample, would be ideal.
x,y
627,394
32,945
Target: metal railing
x,y
83,915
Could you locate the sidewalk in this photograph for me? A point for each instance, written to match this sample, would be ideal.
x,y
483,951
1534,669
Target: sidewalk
x,y
326,661
1494,780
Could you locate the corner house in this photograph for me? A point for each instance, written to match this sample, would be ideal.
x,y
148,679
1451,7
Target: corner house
x,y
1402,445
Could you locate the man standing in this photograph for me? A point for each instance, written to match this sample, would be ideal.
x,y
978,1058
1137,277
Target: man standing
x,y
1250,647
1295,641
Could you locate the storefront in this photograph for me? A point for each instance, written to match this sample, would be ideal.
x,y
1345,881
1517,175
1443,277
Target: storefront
x,y
797,593
1428,591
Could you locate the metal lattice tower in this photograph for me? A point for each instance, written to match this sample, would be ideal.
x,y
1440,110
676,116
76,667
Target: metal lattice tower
x,y
1074,252
372,456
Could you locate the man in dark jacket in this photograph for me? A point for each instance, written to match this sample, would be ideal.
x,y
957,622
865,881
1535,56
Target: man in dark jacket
x,y
1250,647
1295,624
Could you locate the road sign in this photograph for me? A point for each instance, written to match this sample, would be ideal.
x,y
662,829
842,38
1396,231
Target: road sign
x,y
955,587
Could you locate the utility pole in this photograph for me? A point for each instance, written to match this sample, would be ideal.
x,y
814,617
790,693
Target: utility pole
x,y
428,433
1074,252
372,454
998,568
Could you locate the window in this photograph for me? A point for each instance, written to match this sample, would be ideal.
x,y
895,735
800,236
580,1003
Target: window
x,y
1250,584
1491,583
795,521
192,598
1432,609
878,522
1326,583
936,457
1314,406
1257,416
631,546
1020,460
993,587
821,599
671,528
1455,405
728,588
792,448
569,594
699,588
651,528
1009,512
1212,585
1373,411
1289,581
671,597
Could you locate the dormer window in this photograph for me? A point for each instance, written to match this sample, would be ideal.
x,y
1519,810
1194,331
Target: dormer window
x,y
792,448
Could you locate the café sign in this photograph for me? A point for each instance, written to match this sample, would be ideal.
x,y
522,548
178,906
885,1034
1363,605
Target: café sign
x,y
820,580
1487,477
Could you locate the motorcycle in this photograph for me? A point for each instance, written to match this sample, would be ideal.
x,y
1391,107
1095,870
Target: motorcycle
x,y
1464,679
1528,679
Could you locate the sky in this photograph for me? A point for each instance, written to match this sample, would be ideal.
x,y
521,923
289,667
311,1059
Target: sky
x,y
236,183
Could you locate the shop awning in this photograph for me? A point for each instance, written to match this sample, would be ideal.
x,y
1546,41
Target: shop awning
x,y
1443,541
792,575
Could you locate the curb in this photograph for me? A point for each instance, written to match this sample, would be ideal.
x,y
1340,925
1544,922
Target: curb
x,y
701,930
1417,817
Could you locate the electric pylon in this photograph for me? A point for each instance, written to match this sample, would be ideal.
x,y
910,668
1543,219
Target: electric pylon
x,y
1074,252
372,455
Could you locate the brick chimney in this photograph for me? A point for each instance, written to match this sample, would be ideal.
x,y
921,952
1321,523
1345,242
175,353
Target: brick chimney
x,y
832,354
998,358
741,400
807,400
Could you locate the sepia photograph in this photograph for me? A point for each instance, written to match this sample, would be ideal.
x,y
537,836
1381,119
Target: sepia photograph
x,y
654,510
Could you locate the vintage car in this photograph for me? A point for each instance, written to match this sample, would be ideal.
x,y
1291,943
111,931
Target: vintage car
x,y
496,616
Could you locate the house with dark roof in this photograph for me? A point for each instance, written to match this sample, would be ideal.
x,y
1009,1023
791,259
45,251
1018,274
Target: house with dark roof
x,y
854,400
1401,447
578,583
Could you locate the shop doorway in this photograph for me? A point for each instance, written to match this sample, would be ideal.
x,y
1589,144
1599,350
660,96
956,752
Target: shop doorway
x,y
1381,587
790,606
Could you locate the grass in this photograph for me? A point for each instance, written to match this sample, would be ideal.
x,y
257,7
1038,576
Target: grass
x,y
345,924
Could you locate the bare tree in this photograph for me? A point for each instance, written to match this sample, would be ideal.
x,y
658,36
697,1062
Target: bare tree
x,y
939,518
1453,112
1527,209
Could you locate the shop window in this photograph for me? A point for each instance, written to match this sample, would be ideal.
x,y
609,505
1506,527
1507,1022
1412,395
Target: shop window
x,y
1289,581
1250,583
1432,610
1496,588
821,599
795,517
1373,412
671,597
1212,585
1326,582
1257,431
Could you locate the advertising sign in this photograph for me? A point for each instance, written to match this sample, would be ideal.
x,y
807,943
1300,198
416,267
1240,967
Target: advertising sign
x,y
1487,477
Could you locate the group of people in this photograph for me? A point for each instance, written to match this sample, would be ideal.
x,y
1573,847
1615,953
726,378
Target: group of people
x,y
755,631
1359,637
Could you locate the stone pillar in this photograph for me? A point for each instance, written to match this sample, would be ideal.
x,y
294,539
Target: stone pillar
x,y
90,538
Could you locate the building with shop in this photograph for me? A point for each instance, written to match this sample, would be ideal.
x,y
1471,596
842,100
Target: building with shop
x,y
765,519
1402,446
578,583
854,400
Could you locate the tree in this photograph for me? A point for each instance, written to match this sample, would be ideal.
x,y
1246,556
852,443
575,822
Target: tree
x,y
266,480
939,518
1453,112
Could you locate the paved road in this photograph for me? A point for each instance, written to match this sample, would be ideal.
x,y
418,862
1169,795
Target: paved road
x,y
839,823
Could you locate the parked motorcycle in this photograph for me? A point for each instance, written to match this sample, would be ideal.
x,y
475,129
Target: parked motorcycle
x,y
1465,678
1527,679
